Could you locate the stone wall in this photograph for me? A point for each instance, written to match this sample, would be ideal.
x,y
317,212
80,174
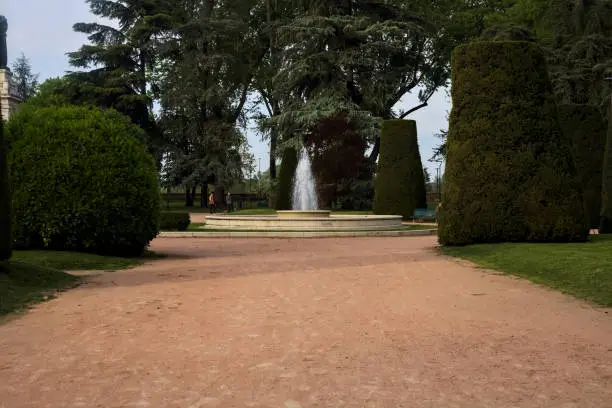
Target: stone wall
x,y
8,94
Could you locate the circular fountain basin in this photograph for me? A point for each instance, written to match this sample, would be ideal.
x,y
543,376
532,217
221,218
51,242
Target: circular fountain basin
x,y
303,213
304,221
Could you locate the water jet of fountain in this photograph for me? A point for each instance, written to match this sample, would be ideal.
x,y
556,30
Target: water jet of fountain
x,y
304,196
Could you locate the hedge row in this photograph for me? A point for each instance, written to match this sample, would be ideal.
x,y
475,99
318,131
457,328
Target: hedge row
x,y
174,221
606,187
510,172
585,126
399,187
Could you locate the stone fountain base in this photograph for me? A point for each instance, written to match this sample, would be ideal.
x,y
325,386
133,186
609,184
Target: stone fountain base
x,y
303,213
304,221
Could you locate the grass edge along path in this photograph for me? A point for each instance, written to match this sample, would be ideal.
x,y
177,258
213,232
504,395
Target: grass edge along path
x,y
23,284
34,276
79,261
583,270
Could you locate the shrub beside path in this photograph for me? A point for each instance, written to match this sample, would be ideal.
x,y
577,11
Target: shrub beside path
x,y
368,322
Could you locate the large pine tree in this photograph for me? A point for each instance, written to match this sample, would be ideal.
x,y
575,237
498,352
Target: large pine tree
x,y
358,58
26,80
119,61
207,70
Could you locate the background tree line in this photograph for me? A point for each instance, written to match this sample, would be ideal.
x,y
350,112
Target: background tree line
x,y
192,73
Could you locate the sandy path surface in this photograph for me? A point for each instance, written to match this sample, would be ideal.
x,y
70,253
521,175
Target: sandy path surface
x,y
365,322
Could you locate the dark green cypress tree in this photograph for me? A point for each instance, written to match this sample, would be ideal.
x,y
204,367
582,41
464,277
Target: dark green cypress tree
x,y
5,199
585,126
399,186
285,178
510,171
606,185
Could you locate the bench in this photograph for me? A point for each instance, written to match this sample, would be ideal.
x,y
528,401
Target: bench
x,y
423,213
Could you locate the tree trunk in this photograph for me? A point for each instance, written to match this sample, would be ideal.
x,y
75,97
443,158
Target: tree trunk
x,y
204,196
273,141
220,197
188,197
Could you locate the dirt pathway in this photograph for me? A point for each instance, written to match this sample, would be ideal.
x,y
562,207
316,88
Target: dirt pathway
x,y
366,322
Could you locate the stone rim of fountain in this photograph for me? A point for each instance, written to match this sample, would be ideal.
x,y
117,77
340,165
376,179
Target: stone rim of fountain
x,y
287,214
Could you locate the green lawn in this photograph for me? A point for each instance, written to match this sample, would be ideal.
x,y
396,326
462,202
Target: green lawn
x,y
581,269
73,261
22,284
180,208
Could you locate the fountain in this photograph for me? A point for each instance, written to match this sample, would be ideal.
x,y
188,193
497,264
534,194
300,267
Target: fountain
x,y
304,202
304,215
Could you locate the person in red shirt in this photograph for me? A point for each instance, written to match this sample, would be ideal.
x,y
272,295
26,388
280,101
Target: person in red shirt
x,y
211,202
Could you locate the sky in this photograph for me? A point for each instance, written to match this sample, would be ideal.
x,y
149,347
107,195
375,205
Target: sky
x,y
46,35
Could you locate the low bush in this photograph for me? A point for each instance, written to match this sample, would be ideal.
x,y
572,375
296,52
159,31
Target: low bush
x,y
174,221
83,181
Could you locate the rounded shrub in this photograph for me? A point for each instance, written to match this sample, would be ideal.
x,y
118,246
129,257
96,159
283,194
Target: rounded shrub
x,y
606,186
83,181
510,172
289,163
5,200
587,129
399,187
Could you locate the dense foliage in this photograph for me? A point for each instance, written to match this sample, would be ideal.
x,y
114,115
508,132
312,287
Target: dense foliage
x,y
586,128
606,186
510,172
576,37
285,178
116,68
5,200
174,221
399,187
339,163
82,181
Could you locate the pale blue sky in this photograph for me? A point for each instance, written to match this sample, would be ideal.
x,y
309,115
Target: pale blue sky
x,y
42,30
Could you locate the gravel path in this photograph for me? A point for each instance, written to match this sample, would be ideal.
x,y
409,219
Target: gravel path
x,y
365,322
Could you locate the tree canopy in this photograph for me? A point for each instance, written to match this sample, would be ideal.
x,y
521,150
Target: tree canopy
x,y
210,67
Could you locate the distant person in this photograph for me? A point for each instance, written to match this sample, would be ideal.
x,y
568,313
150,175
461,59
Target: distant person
x,y
228,201
211,202
438,210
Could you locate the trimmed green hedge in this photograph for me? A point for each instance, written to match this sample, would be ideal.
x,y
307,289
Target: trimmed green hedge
x,y
606,188
285,178
399,187
587,129
82,180
5,200
172,221
510,172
